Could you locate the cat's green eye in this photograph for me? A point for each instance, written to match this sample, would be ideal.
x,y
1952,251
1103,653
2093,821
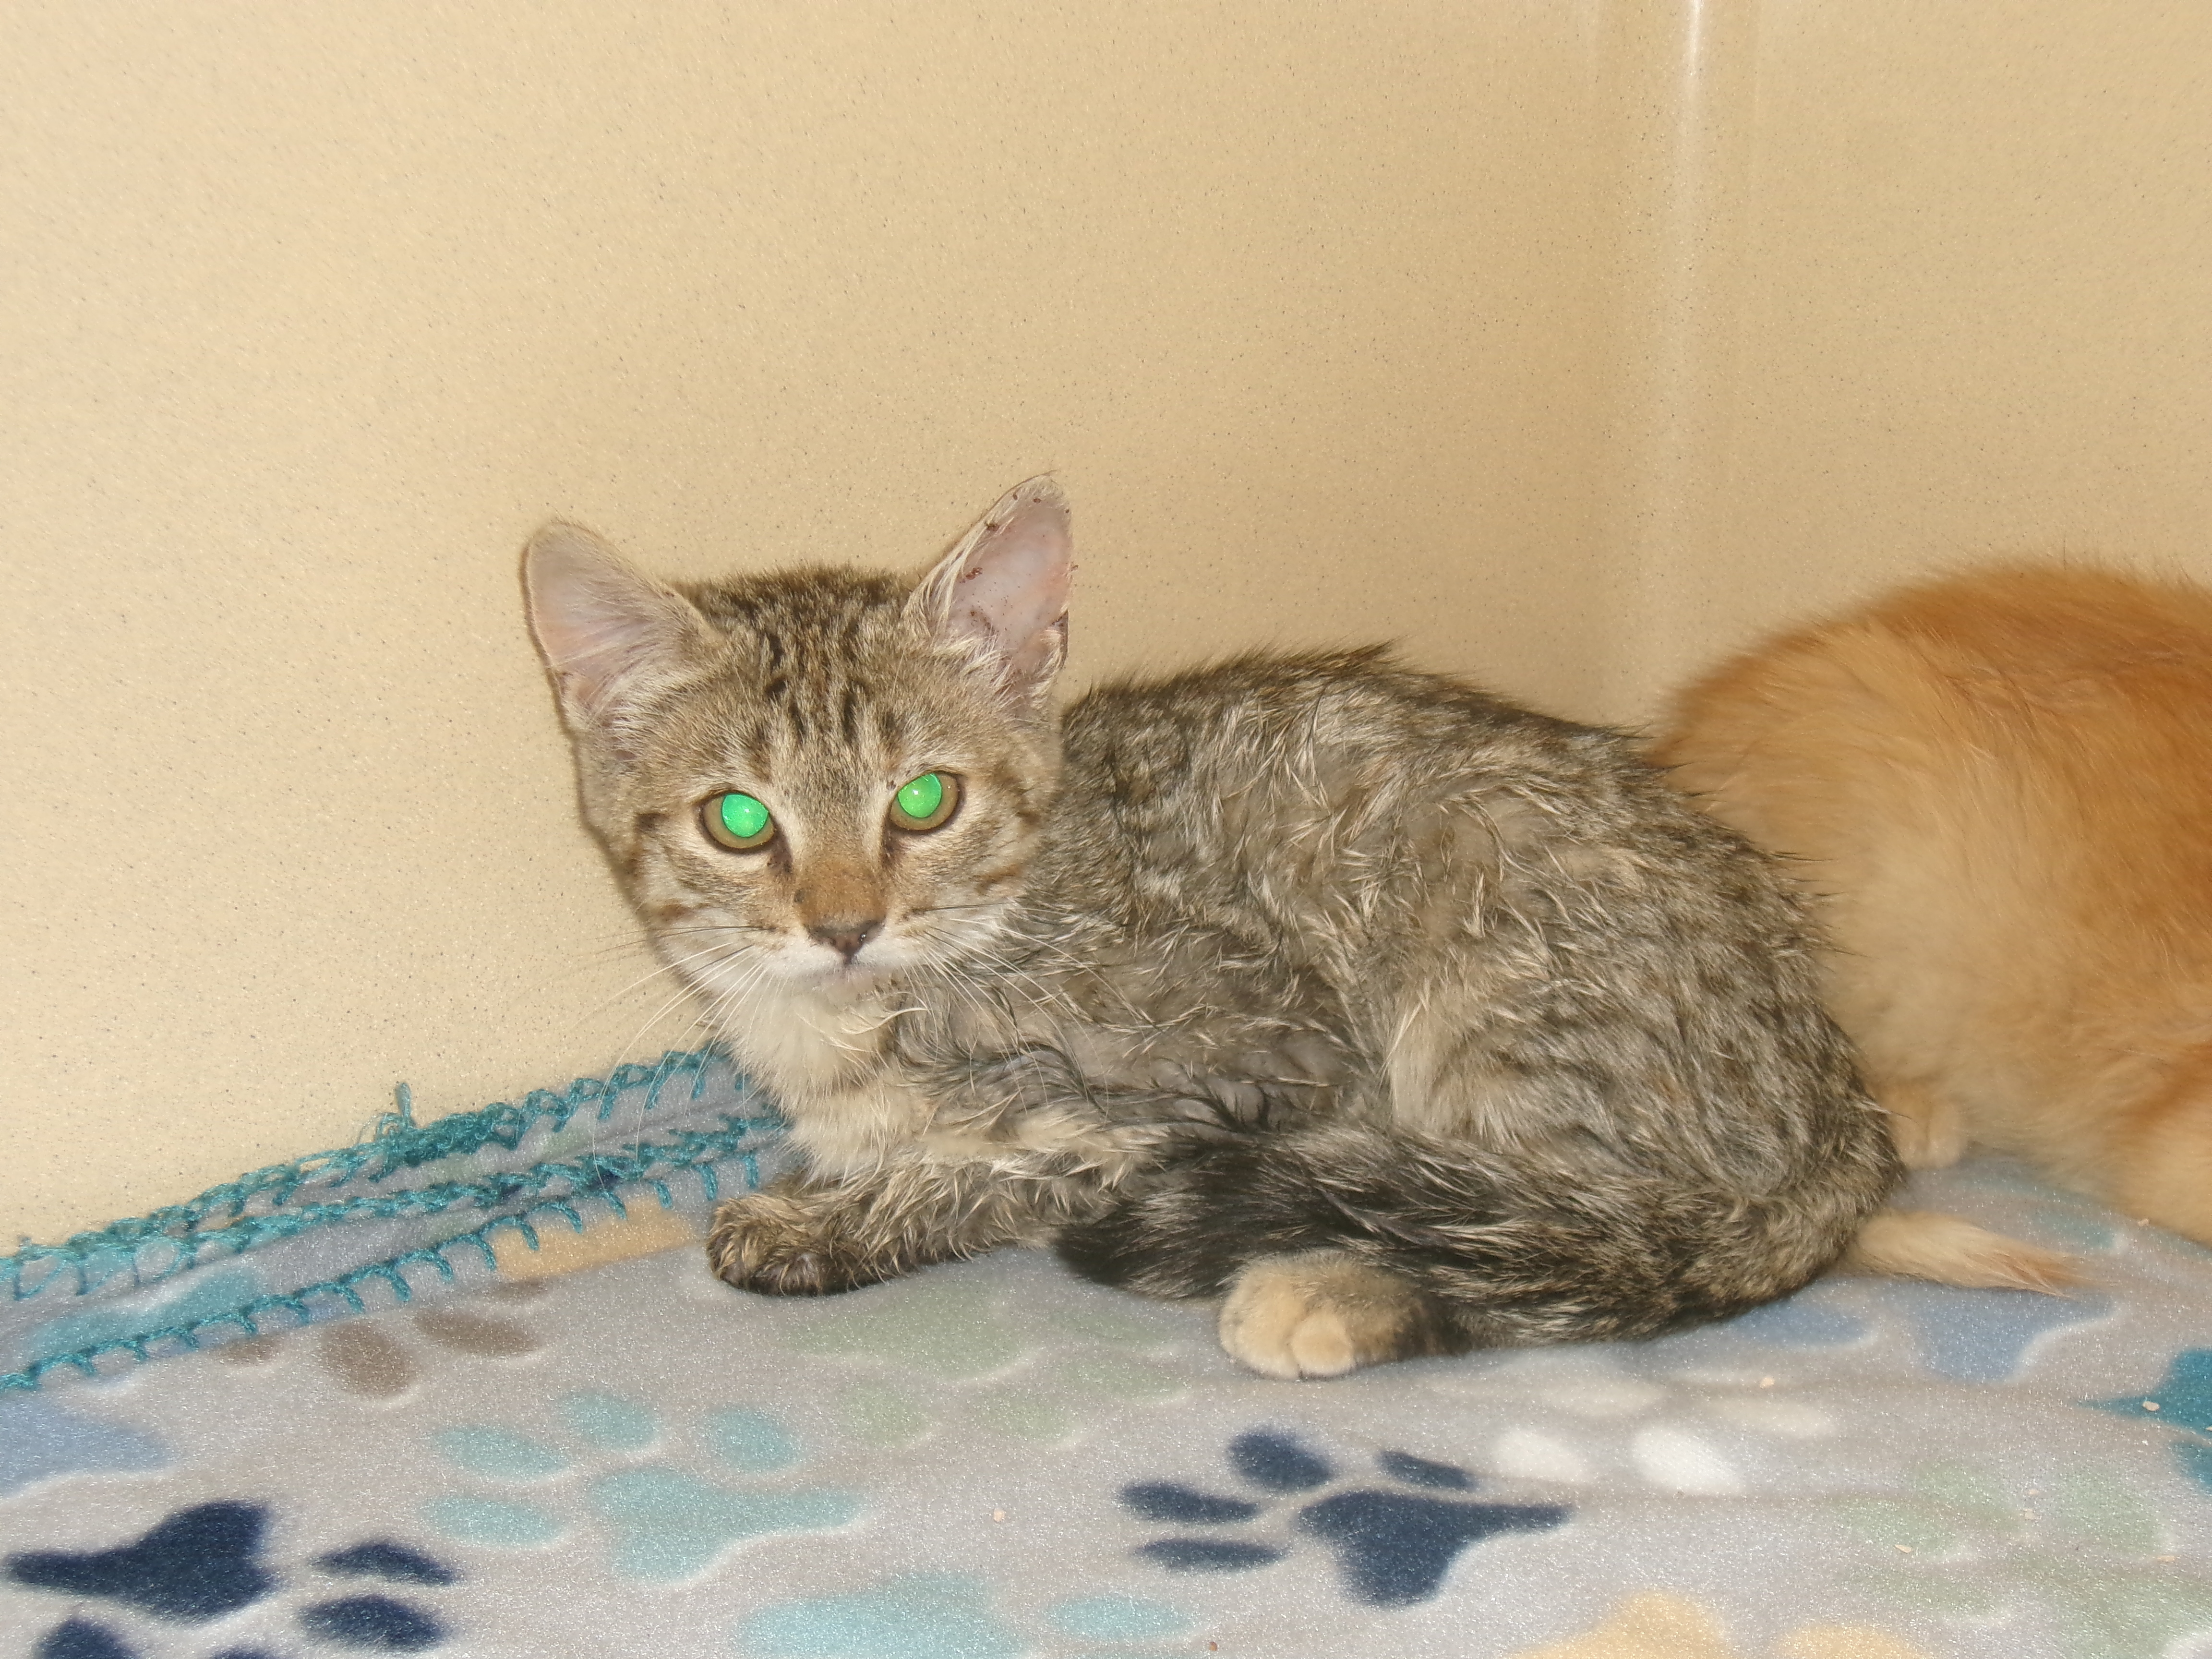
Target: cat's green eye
x,y
736,822
928,802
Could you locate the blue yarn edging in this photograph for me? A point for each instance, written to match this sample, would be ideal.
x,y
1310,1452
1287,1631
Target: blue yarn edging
x,y
94,1259
701,1148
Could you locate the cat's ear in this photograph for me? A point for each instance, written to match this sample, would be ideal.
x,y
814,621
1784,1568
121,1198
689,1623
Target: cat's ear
x,y
604,629
1002,591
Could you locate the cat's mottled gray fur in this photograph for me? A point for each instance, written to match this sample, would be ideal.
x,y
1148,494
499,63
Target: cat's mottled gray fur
x,y
1405,1019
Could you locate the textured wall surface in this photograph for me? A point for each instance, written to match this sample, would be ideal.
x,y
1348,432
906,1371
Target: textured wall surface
x,y
315,310
1935,287
1566,344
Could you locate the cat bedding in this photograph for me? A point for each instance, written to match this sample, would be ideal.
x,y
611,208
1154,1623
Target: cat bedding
x,y
632,1457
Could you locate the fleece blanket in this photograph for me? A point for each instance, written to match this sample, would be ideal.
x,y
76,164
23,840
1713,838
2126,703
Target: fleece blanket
x,y
468,1389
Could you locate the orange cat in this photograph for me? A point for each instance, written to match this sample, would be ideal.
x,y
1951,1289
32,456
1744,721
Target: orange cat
x,y
2000,786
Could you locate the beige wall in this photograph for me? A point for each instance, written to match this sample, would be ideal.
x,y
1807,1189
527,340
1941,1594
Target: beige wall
x,y
1564,343
321,309
1942,293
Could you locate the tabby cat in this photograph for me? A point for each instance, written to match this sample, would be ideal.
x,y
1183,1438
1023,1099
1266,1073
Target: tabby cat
x,y
1999,787
1402,1019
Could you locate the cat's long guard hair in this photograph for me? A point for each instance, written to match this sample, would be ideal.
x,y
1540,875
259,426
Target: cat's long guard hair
x,y
1998,787
1401,1018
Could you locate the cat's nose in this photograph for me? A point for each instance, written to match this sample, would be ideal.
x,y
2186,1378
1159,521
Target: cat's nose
x,y
847,936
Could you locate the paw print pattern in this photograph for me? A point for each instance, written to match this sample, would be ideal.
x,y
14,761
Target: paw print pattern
x,y
1654,1623
79,1638
1392,1546
204,1562
950,1331
200,1562
2083,1545
664,1522
371,1356
1985,1336
40,1438
935,1615
1968,1336
2181,1402
946,1615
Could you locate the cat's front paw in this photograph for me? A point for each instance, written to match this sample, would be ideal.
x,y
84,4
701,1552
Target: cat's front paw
x,y
1322,1313
793,1241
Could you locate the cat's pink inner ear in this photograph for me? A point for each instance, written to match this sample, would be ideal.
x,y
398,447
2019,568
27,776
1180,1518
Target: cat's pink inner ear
x,y
600,624
1005,586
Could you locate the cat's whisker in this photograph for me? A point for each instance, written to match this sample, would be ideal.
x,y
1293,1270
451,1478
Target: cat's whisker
x,y
1045,995
588,961
674,966
686,991
971,996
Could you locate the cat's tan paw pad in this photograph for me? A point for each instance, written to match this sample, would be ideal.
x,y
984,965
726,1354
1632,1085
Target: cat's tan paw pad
x,y
1272,1330
1319,1314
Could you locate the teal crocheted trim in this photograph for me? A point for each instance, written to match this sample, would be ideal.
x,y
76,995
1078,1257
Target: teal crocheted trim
x,y
693,1151
258,1208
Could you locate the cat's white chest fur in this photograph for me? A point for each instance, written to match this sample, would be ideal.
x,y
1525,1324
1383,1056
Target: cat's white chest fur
x,y
799,1041
821,1058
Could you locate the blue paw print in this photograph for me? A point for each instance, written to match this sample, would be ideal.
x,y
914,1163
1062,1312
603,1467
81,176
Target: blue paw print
x,y
1983,1336
665,1523
926,1616
2183,1401
1969,1336
941,1615
1803,1321
204,1562
1393,1547
39,1439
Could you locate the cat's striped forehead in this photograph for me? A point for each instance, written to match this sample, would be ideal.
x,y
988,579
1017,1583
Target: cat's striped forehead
x,y
806,616
825,662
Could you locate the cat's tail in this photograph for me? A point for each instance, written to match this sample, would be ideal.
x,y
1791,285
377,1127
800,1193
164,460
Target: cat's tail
x,y
1347,1245
1922,1244
1422,1248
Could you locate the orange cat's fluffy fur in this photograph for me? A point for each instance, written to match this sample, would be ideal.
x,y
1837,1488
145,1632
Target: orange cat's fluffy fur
x,y
2000,787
